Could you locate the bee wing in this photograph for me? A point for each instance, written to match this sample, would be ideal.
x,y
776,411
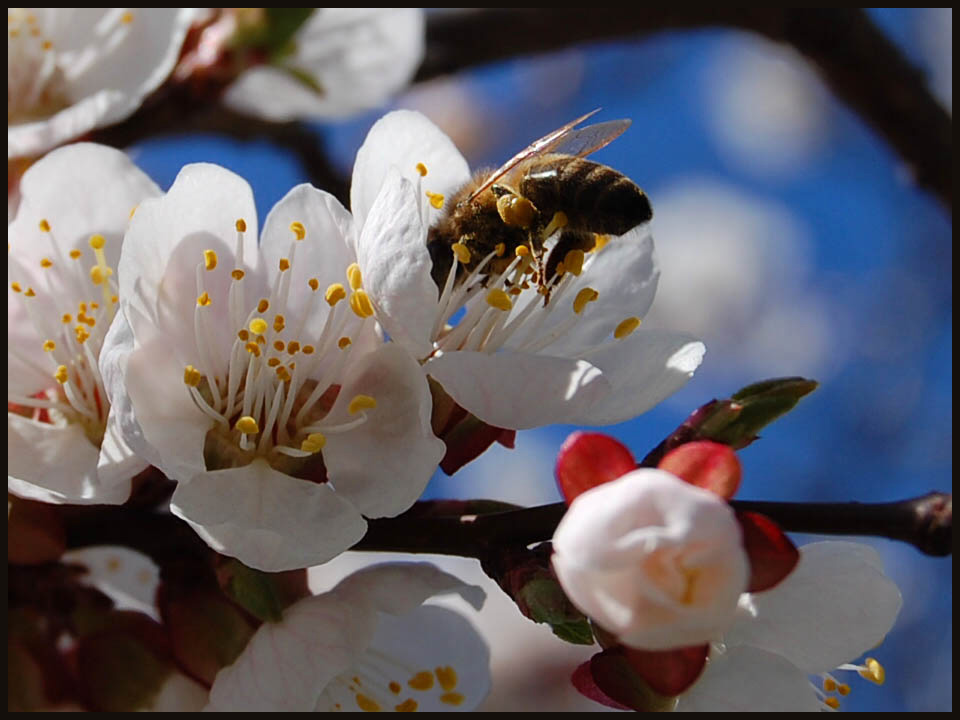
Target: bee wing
x,y
567,140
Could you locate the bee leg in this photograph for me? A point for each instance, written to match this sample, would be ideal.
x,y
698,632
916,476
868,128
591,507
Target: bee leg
x,y
560,260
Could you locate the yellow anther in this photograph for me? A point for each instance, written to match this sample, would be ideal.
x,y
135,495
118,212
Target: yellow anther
x,y
873,672
66,318
114,299
293,347
586,295
395,687
191,376
626,327
436,199
560,269
344,342
61,374
423,680
366,704
15,286
88,320
237,274
45,262
462,252
133,211
516,211
99,274
500,249
44,226
408,705
354,276
314,442
273,362
298,229
284,264
447,677
263,305
831,702
243,334
82,334
209,259
258,326
600,242
283,374
279,322
81,307
521,251
204,300
308,349
49,346
94,305
335,293
253,349
515,290
127,18
279,345
499,299
573,262
241,225
559,221
360,304
247,425
843,689
47,45
422,169
97,242
360,403
314,284
75,254
261,340
829,685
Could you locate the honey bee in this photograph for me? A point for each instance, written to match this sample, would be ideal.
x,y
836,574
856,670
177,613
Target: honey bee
x,y
545,188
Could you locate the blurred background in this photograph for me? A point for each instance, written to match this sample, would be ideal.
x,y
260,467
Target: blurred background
x,y
791,240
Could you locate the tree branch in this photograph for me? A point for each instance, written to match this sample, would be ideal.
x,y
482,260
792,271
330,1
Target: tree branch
x,y
861,66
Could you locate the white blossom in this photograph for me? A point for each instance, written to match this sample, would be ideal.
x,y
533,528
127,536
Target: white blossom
x,y
368,644
523,363
64,443
343,60
836,605
70,70
652,559
255,376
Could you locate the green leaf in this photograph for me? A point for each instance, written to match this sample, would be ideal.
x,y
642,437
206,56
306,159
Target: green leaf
x,y
254,592
576,633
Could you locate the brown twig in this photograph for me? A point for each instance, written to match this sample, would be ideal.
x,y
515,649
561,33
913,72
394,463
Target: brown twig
x,y
860,65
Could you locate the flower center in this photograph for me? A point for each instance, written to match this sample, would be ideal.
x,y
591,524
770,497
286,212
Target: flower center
x,y
72,318
382,682
273,398
513,305
39,73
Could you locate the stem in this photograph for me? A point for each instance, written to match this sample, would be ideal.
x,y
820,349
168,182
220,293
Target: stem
x,y
925,522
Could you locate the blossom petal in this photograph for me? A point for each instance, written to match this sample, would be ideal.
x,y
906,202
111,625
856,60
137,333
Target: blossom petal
x,y
835,605
323,254
286,665
357,57
199,212
383,466
396,266
59,459
642,369
289,664
624,274
747,679
112,88
403,139
267,519
408,658
518,390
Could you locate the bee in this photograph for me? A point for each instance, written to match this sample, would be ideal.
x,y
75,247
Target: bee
x,y
545,188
